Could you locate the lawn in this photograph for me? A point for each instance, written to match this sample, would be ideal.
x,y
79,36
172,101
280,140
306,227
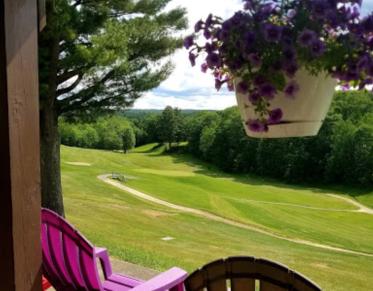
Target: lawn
x,y
133,229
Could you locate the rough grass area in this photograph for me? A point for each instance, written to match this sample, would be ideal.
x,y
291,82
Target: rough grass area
x,y
133,229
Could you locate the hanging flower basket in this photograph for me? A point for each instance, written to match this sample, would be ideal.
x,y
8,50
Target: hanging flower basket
x,y
304,113
284,59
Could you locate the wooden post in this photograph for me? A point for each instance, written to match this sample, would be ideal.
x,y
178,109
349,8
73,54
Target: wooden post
x,y
42,14
20,251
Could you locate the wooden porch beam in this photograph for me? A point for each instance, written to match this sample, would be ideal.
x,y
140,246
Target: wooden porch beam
x,y
20,252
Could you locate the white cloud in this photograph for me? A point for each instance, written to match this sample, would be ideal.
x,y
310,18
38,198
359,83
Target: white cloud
x,y
214,101
185,78
188,87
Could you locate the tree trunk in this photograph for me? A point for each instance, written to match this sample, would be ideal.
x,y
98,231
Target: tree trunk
x,y
49,112
50,161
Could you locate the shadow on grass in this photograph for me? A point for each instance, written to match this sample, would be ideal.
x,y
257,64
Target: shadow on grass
x,y
210,170
154,151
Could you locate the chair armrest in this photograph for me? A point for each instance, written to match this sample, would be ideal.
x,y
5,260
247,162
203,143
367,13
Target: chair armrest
x,y
103,255
172,278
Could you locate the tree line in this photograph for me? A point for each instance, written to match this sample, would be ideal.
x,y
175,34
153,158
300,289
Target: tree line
x,y
341,153
108,133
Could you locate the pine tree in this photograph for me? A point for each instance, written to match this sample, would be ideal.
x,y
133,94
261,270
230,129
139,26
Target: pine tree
x,y
98,56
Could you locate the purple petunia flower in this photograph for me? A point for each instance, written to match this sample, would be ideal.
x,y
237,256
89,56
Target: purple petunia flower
x,y
367,24
267,90
290,69
353,13
256,125
209,21
188,41
198,26
368,81
218,84
291,89
318,48
210,47
213,60
207,33
254,97
307,37
259,80
192,59
242,87
345,87
272,33
204,68
319,8
363,62
267,9
249,39
351,75
275,116
370,42
248,5
289,54
230,86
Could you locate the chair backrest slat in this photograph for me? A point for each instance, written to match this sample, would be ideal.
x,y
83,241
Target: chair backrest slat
x,y
56,252
68,258
239,284
243,273
72,261
216,276
89,270
48,265
237,266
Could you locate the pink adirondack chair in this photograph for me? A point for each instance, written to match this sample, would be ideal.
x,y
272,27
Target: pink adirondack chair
x,y
70,263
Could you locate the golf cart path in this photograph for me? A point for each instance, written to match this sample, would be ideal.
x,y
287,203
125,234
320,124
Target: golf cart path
x,y
205,214
362,208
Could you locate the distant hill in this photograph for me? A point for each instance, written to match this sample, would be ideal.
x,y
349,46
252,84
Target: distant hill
x,y
133,113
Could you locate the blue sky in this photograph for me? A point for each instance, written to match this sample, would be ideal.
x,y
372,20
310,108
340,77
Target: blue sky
x,y
188,87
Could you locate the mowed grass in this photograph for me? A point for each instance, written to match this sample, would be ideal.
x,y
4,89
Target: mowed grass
x,y
133,229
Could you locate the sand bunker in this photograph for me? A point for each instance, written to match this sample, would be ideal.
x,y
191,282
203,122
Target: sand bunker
x,y
79,164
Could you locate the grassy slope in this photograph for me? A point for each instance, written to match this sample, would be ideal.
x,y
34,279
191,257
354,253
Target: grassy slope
x,y
132,229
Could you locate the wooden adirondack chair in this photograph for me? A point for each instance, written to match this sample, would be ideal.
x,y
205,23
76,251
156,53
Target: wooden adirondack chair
x,y
247,274
70,263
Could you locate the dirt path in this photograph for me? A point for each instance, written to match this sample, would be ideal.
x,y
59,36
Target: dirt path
x,y
205,214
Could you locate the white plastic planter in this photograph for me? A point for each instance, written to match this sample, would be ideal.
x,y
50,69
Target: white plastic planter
x,y
303,114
